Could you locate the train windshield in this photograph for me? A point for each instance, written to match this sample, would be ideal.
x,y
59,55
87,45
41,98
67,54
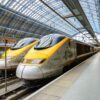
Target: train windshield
x,y
48,41
23,42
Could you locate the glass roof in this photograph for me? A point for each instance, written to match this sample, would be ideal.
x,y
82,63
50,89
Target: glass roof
x,y
92,9
98,36
54,13
84,37
36,9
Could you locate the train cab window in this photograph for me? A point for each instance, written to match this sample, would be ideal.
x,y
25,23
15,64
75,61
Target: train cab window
x,y
48,41
44,42
58,39
23,42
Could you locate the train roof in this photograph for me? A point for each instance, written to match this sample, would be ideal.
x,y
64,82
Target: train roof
x,y
60,35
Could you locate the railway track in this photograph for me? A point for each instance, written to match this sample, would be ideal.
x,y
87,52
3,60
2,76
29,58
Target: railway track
x,y
15,89
10,82
17,93
11,86
2,79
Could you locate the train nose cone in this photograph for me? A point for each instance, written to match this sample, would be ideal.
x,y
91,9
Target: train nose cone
x,y
29,72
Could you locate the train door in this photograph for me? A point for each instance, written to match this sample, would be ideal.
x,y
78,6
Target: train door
x,y
72,46
70,51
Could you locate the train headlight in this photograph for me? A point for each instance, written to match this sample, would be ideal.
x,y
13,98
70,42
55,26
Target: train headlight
x,y
37,61
9,57
34,61
26,61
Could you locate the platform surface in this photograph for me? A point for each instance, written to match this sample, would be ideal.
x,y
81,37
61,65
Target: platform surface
x,y
80,83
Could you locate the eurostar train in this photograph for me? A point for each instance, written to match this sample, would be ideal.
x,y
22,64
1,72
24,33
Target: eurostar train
x,y
50,56
16,53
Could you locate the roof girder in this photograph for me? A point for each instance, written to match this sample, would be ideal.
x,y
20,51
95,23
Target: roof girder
x,y
78,12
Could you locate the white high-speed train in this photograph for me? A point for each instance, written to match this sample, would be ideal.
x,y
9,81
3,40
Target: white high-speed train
x,y
16,53
50,56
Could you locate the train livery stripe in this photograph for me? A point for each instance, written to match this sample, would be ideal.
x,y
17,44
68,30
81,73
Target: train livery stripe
x,y
45,53
19,51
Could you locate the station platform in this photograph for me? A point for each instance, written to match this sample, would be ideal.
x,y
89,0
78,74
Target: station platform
x,y
80,83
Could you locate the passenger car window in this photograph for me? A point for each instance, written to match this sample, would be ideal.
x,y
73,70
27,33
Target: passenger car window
x,y
23,42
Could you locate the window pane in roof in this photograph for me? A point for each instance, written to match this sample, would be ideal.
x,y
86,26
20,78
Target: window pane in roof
x,y
3,1
39,11
91,9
